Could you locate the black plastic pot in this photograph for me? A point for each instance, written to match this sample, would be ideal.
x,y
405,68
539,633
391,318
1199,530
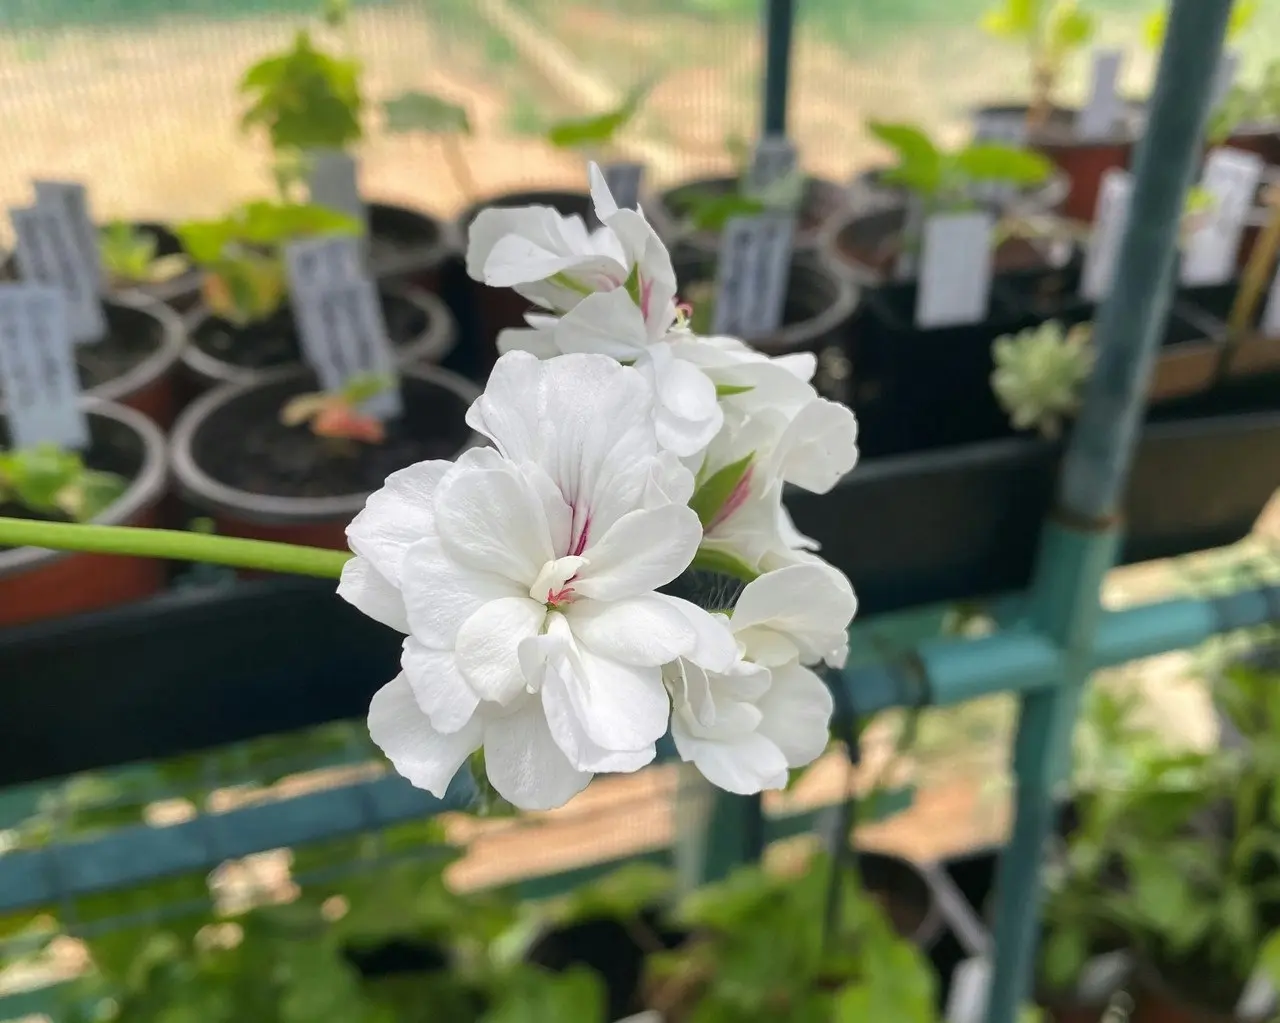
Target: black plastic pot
x,y
408,246
419,325
818,311
494,310
905,895
435,403
963,522
1083,162
668,211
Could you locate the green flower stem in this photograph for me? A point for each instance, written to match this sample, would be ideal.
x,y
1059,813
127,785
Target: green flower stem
x,y
176,544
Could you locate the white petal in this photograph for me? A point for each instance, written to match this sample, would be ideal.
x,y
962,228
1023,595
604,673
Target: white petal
x,y
488,646
492,520
643,550
584,418
397,515
601,197
797,714
670,481
364,587
811,605
516,260
606,323
424,756
744,766
524,763
541,343
715,648
543,226
440,594
645,631
571,735
688,414
438,686
820,446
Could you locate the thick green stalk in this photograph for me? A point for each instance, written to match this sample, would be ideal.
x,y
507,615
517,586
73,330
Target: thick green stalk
x,y
174,544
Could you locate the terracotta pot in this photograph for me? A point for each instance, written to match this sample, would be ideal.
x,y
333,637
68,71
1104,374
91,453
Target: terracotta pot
x,y
37,584
314,521
666,211
819,308
1263,139
498,309
151,385
1083,162
869,192
409,246
429,339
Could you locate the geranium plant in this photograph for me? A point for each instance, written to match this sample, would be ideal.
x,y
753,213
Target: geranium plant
x,y
422,112
53,482
242,253
1040,374
337,416
129,256
1051,30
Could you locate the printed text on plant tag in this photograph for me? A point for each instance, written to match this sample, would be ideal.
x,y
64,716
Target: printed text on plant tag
x,y
72,199
773,159
38,369
46,253
334,182
1109,225
752,274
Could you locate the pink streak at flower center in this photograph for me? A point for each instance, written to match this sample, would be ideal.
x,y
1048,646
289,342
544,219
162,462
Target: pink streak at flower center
x,y
646,296
554,583
580,544
737,497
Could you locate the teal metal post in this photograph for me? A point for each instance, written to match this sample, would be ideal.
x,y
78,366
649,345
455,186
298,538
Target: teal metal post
x,y
1079,544
779,21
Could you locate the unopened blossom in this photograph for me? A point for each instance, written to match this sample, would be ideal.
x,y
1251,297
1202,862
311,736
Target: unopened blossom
x,y
524,577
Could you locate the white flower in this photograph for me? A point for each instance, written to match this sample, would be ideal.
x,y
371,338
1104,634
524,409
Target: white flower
x,y
744,727
524,578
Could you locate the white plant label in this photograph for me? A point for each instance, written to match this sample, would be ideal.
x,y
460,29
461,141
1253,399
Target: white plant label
x,y
1258,1000
1231,177
1097,119
1110,222
73,199
1008,127
955,270
774,158
1271,314
333,182
1225,79
752,274
315,262
970,987
344,336
46,253
624,180
38,368
1102,976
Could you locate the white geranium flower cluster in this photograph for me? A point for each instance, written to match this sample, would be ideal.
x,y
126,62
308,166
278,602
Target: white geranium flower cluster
x,y
526,576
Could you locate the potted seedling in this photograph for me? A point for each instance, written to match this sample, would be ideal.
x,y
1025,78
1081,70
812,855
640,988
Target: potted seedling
x,y
118,479
416,112
882,243
273,459
1085,143
148,257
308,103
245,326
694,213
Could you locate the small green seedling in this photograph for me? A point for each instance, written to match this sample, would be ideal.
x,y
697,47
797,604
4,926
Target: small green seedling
x,y
1052,31
1257,105
421,112
129,256
1040,374
946,181
242,254
1242,15
304,98
336,415
598,131
51,481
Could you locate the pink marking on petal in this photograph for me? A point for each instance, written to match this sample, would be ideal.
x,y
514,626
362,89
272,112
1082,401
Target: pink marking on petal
x,y
646,294
735,500
581,544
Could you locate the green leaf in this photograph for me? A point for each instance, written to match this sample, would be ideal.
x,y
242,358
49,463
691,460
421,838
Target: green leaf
x,y
1014,19
992,161
712,495
1269,957
729,390
1069,28
711,212
420,111
363,386
920,162
1159,890
717,562
599,129
1064,956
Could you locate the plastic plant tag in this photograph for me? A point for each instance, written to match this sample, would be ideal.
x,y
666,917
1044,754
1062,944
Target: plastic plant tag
x,y
333,182
904,267
1109,224
1005,126
624,179
955,270
343,336
72,199
1271,314
1097,119
773,159
970,985
752,274
315,262
1258,1000
38,368
47,253
1231,177
1228,69
1102,976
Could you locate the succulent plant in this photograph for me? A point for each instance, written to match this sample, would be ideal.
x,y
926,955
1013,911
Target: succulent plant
x,y
1040,374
